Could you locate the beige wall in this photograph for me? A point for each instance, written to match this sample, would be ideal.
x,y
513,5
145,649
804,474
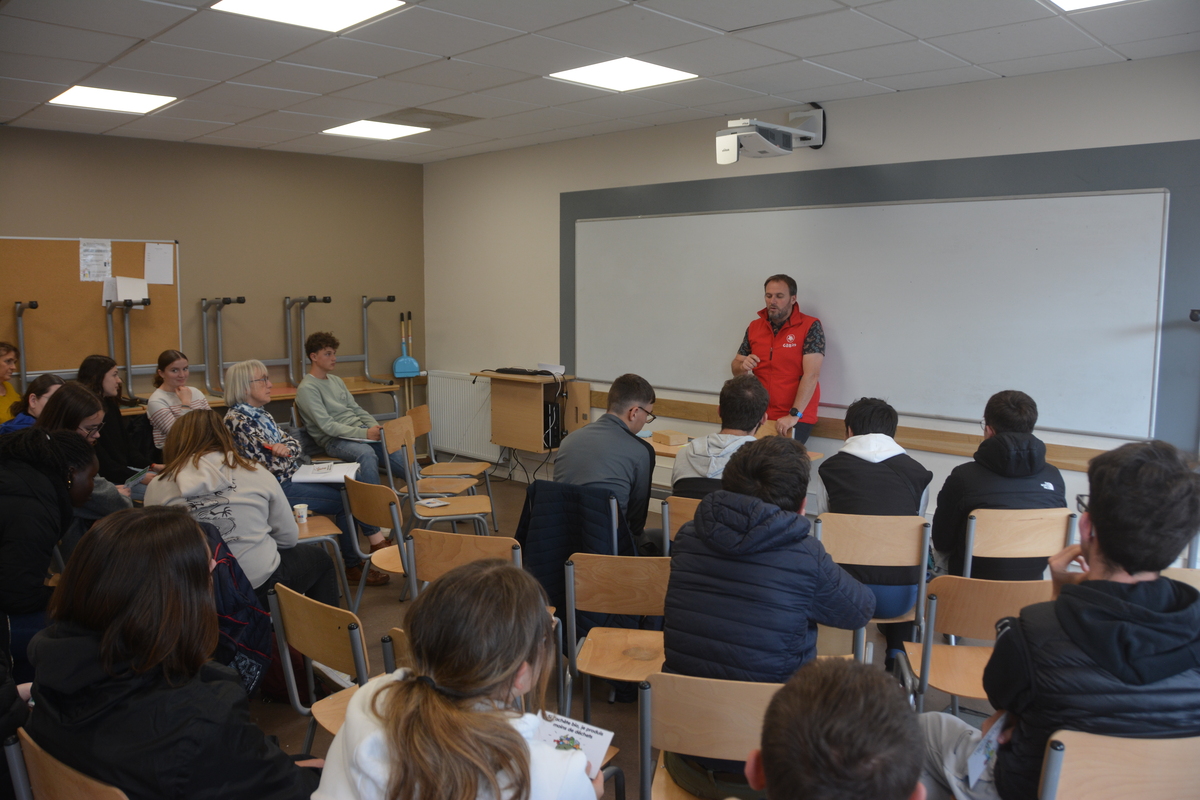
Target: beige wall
x,y
249,222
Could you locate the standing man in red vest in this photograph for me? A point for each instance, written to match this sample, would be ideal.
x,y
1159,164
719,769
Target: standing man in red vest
x,y
784,349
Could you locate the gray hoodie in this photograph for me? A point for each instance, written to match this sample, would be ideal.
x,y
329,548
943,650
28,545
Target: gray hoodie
x,y
707,457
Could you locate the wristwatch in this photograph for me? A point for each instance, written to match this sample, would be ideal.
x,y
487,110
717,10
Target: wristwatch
x,y
795,412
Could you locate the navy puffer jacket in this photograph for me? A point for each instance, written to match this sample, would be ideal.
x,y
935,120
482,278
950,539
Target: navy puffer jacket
x,y
748,587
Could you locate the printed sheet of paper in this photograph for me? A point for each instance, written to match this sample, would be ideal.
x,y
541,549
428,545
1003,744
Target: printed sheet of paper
x,y
95,259
325,472
120,289
985,751
160,263
571,734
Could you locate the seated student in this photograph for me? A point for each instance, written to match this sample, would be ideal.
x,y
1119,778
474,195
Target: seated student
x,y
743,408
173,397
9,357
258,438
125,691
332,417
116,451
43,477
205,475
748,587
448,729
1115,653
838,729
1009,471
873,475
25,411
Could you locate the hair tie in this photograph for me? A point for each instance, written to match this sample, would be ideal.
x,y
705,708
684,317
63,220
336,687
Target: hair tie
x,y
442,690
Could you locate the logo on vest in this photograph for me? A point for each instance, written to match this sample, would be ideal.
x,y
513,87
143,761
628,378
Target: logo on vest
x,y
791,337
1048,485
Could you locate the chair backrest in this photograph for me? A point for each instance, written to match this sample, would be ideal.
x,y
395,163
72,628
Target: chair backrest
x,y
437,552
396,653
1183,575
695,488
971,607
421,421
874,541
51,779
619,584
374,504
706,717
397,433
1086,765
677,511
318,631
1018,532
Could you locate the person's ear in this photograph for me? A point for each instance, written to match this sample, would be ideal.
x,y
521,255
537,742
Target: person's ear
x,y
523,680
803,506
918,793
755,775
849,431
988,431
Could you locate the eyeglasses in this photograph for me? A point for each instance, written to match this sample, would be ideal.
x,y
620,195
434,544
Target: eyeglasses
x,y
90,430
263,379
1081,502
983,425
649,417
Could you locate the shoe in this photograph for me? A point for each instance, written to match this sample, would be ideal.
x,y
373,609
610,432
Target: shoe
x,y
374,576
375,548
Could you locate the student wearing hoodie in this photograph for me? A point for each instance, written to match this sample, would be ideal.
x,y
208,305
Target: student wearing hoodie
x,y
1009,471
743,408
1116,653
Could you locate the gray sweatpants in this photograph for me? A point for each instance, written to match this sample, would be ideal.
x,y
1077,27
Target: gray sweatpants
x,y
948,743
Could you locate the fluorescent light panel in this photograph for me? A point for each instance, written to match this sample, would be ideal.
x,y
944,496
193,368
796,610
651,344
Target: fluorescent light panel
x,y
623,75
111,100
324,15
1076,5
365,129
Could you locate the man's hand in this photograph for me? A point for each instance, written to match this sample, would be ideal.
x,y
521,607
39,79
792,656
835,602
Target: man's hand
x,y
124,491
749,363
373,432
784,424
1009,724
1060,561
319,763
597,782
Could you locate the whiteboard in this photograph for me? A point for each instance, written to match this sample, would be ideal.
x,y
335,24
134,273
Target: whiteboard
x,y
934,306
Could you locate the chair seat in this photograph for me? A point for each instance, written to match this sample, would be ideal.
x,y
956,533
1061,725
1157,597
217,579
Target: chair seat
x,y
909,616
317,527
953,669
621,654
458,507
388,559
330,712
469,468
442,486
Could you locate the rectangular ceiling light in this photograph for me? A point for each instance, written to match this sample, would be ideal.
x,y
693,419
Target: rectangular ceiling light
x,y
365,129
623,75
1076,5
324,15
111,100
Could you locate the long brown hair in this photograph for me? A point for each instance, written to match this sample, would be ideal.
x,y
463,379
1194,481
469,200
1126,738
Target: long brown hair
x,y
469,631
36,388
140,579
196,434
68,407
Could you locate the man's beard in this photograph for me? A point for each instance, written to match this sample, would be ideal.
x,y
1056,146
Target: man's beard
x,y
779,316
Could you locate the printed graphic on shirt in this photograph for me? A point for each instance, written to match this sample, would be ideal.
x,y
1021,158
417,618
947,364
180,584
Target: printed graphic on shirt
x,y
215,509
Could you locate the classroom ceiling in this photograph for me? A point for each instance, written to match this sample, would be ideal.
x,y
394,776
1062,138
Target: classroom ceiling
x,y
476,68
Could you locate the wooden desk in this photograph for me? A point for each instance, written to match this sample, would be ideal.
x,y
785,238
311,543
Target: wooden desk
x,y
519,408
282,392
672,450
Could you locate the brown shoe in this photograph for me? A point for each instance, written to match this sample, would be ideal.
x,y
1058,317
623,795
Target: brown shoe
x,y
374,576
375,548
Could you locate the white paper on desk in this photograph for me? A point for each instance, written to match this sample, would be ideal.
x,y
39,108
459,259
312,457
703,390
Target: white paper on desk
x,y
95,259
571,734
120,289
325,472
160,263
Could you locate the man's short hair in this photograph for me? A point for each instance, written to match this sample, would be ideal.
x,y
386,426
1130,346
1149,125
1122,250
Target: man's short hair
x,y
743,402
781,278
1010,411
1144,505
871,415
775,469
629,390
839,730
318,341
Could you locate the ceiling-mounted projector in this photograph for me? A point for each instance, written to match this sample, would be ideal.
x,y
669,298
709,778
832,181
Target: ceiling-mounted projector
x,y
756,139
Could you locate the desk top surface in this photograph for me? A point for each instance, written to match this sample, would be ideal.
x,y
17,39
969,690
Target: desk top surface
x,y
284,392
504,376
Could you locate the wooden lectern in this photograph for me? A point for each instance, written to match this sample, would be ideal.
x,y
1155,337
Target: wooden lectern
x,y
519,408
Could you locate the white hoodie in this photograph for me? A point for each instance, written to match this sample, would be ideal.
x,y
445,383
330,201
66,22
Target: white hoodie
x,y
707,457
247,506
873,447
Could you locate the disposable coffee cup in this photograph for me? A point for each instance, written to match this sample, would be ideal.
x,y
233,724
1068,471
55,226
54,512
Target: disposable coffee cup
x,y
301,511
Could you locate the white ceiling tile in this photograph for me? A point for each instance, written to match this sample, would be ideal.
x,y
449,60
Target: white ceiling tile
x,y
442,138
493,128
134,18
1136,21
673,116
101,120
793,76
1167,45
240,35
928,18
1055,61
939,77
715,56
751,106
480,105
11,109
825,33
546,92
32,38
697,92
211,112
890,59
629,31
396,94
158,136
187,61
365,58
619,105
183,127
289,121
536,55
226,141
429,31
260,135
843,91
397,147
605,126
298,78
70,127
316,144
548,119
132,80
1023,40
461,75
343,107
40,68
728,16
529,15
237,94
30,91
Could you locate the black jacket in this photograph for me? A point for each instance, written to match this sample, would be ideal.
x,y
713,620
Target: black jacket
x,y
34,513
1009,471
1105,658
115,449
152,740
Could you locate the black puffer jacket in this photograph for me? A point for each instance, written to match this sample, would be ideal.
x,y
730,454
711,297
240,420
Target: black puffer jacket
x,y
152,740
1009,471
34,513
1106,658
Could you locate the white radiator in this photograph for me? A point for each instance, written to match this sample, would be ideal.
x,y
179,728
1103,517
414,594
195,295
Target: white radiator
x,y
462,415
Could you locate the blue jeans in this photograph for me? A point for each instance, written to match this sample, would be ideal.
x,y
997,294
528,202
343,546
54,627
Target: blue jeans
x,y
892,601
326,498
368,456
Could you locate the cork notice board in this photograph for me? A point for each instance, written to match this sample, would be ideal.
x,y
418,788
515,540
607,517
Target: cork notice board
x,y
70,322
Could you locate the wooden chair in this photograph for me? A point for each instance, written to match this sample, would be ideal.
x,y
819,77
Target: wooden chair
x,y
324,531
878,542
394,435
434,553
37,775
395,650
1086,766
332,636
1018,533
701,717
423,426
970,608
1183,575
634,585
676,511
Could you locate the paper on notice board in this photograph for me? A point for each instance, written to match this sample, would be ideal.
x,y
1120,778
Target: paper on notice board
x,y
160,263
95,259
121,289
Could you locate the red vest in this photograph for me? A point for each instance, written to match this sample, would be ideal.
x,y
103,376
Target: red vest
x,y
780,362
